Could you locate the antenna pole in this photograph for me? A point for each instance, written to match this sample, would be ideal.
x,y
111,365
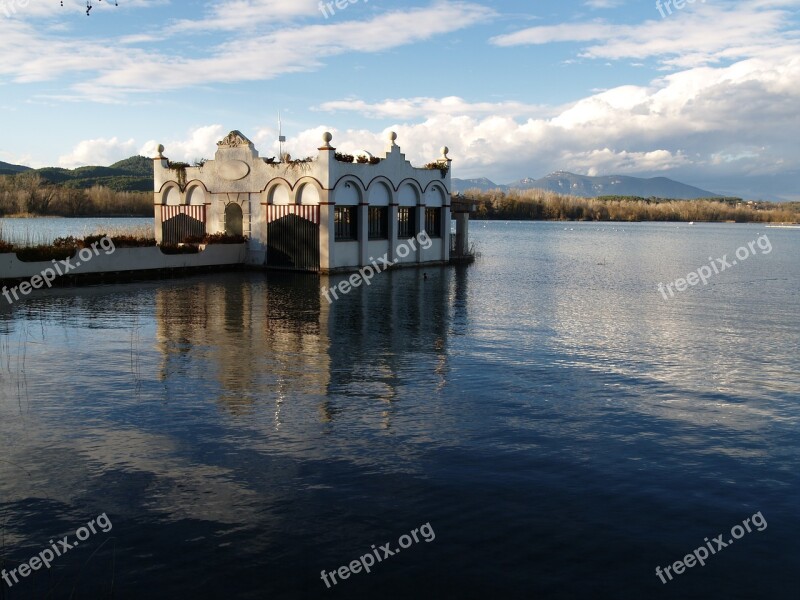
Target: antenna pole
x,y
281,137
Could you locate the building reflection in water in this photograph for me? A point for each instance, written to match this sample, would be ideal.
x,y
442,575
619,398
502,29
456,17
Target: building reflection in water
x,y
273,338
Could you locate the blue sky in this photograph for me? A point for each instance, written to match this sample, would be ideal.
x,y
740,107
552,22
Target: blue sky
x,y
707,93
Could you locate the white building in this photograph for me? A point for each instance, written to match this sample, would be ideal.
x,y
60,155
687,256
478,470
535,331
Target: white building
x,y
322,214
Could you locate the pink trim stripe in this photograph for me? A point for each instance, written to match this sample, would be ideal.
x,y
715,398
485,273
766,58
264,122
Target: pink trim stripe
x,y
195,212
278,211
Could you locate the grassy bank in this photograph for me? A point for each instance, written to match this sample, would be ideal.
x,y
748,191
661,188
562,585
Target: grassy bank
x,y
542,205
64,247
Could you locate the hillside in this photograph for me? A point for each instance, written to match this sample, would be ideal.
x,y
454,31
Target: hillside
x,y
9,169
123,189
585,186
136,165
134,174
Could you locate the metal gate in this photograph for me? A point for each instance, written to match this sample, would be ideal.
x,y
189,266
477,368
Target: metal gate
x,y
181,222
293,243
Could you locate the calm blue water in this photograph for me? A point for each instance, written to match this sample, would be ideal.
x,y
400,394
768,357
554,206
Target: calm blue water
x,y
561,426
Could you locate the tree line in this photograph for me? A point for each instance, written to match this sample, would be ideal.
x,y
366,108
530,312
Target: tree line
x,y
543,205
29,194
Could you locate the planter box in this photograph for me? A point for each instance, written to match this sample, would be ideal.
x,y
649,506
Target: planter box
x,y
127,259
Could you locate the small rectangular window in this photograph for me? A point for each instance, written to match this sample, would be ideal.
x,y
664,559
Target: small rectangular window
x,y
406,222
433,222
378,223
345,223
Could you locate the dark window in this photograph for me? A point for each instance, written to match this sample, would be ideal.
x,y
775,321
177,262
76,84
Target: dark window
x,y
378,222
345,220
433,222
406,222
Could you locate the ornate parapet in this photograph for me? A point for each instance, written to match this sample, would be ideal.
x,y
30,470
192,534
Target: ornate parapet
x,y
235,139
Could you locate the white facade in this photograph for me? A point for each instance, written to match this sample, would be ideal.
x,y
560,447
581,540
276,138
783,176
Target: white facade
x,y
322,215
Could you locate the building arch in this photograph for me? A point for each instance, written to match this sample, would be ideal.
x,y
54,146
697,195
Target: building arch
x,y
349,191
280,192
196,193
380,194
171,195
381,179
353,179
439,184
308,192
409,194
435,196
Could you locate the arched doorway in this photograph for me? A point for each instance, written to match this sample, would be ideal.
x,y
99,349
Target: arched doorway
x,y
233,219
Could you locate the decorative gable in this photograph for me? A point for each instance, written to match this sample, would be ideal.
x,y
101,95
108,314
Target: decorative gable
x,y
235,139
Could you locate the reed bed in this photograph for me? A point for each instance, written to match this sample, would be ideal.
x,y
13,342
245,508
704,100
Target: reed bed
x,y
33,196
31,237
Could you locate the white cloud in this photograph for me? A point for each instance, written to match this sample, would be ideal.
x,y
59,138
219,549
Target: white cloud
x,y
734,120
26,160
28,55
237,15
727,107
200,143
606,161
409,108
99,151
699,34
547,34
601,4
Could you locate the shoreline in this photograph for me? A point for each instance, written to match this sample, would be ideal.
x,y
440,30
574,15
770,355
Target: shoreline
x,y
695,222
101,216
787,224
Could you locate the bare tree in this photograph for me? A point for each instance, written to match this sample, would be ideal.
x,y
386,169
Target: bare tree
x,y
76,201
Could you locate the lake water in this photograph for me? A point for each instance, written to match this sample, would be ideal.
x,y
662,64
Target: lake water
x,y
44,230
561,426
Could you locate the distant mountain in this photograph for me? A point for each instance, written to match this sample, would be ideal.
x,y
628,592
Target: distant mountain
x,y
563,182
9,169
129,175
613,185
482,184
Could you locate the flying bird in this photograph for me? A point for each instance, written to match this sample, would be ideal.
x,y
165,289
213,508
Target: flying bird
x,y
89,5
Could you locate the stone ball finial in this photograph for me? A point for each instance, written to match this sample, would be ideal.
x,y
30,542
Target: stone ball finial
x,y
445,150
392,137
326,142
160,150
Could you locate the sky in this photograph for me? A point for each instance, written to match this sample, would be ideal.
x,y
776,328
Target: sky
x,y
705,92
